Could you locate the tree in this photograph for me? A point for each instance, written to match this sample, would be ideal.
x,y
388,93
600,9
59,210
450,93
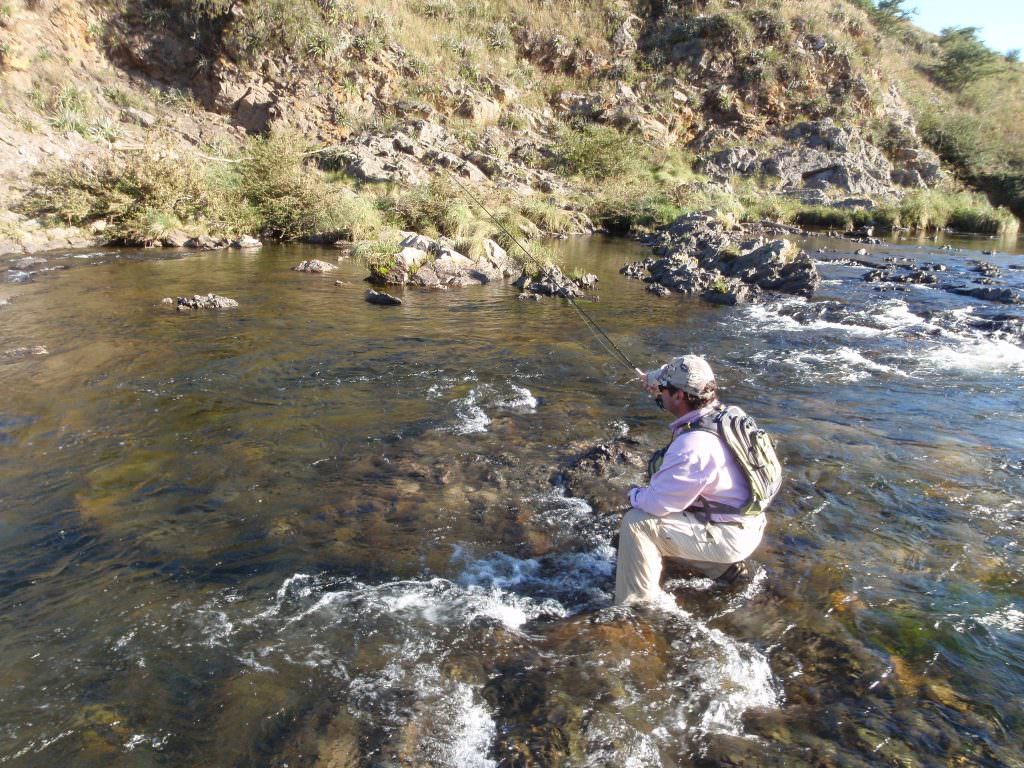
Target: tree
x,y
889,14
964,60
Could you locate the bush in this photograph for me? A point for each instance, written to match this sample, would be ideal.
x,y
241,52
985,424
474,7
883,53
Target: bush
x,y
631,202
965,59
144,195
378,256
823,216
598,152
141,195
964,211
292,200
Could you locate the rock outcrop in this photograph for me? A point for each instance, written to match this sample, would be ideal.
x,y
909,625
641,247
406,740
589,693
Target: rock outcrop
x,y
431,263
697,256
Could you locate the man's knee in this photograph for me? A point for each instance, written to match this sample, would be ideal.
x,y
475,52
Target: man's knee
x,y
634,521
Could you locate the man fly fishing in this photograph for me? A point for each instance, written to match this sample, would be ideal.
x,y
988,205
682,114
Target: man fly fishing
x,y
707,490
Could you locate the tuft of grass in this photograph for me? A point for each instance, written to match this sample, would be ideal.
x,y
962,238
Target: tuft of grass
x,y
378,256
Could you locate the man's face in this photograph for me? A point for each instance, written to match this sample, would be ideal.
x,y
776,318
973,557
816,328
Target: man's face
x,y
671,399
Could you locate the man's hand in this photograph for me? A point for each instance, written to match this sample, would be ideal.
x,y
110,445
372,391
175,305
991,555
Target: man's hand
x,y
651,389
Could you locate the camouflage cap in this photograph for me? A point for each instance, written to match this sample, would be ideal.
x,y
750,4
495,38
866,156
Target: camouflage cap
x,y
690,373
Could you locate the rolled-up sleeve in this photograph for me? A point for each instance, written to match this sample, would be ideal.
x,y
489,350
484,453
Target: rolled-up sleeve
x,y
685,473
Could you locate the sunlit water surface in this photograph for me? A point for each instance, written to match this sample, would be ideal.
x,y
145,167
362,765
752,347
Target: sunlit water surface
x,y
313,531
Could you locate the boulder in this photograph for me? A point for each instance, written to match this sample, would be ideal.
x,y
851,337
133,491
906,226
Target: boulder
x,y
383,299
551,282
204,242
414,240
315,266
495,261
209,301
175,239
245,241
138,117
480,109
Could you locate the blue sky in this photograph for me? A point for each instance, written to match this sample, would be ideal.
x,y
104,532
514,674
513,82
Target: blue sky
x,y
1001,22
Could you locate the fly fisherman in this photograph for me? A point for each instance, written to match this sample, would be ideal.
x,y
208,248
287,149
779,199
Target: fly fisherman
x,y
698,505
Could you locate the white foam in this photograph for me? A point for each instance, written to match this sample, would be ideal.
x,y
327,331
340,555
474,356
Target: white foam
x,y
1008,618
842,364
470,416
521,399
732,679
974,354
883,319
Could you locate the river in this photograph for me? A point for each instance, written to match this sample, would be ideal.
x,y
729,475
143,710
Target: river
x,y
313,531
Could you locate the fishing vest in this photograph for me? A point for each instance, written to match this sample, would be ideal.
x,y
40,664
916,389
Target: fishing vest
x,y
752,448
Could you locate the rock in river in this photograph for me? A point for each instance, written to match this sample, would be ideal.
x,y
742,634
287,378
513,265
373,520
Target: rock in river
x,y
384,299
315,266
209,301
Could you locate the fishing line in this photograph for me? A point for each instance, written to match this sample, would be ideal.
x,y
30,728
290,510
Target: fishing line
x,y
610,346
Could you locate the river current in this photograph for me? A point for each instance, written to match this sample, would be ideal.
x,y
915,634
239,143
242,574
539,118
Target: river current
x,y
311,531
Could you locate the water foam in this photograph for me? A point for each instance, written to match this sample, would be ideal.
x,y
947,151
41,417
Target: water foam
x,y
470,416
1009,618
521,399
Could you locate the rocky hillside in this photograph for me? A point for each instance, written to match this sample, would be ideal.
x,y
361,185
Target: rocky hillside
x,y
128,120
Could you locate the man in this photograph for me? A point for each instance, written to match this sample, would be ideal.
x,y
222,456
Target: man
x,y
691,508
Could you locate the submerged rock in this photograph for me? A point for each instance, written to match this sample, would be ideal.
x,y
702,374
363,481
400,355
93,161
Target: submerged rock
x,y
28,262
19,353
1000,295
209,301
384,299
314,266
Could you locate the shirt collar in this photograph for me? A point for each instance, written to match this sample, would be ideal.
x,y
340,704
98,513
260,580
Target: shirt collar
x,y
692,416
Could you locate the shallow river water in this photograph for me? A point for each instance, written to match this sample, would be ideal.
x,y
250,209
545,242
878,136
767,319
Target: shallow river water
x,y
313,531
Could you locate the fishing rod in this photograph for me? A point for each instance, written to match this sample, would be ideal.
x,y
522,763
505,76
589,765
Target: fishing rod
x,y
610,346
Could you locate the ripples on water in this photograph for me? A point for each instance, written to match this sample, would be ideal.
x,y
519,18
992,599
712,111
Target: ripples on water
x,y
314,532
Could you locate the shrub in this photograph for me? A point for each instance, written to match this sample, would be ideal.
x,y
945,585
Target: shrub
x,y
598,152
140,195
292,200
629,202
964,58
823,216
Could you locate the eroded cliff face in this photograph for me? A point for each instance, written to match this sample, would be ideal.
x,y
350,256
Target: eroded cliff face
x,y
772,98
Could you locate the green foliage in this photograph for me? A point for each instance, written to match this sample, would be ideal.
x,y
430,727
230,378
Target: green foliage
x,y
964,60
378,256
890,15
625,203
598,152
293,200
964,211
140,195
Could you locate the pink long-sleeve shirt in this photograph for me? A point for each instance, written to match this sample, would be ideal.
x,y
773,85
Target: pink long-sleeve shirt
x,y
697,465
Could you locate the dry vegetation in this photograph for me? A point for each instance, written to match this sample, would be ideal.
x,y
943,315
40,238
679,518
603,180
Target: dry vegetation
x,y
433,50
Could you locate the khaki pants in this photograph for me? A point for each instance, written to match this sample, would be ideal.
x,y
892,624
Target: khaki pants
x,y
645,539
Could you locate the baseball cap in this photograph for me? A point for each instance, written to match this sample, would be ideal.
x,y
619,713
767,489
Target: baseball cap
x,y
690,373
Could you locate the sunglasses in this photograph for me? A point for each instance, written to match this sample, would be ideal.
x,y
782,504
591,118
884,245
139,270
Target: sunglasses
x,y
668,388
